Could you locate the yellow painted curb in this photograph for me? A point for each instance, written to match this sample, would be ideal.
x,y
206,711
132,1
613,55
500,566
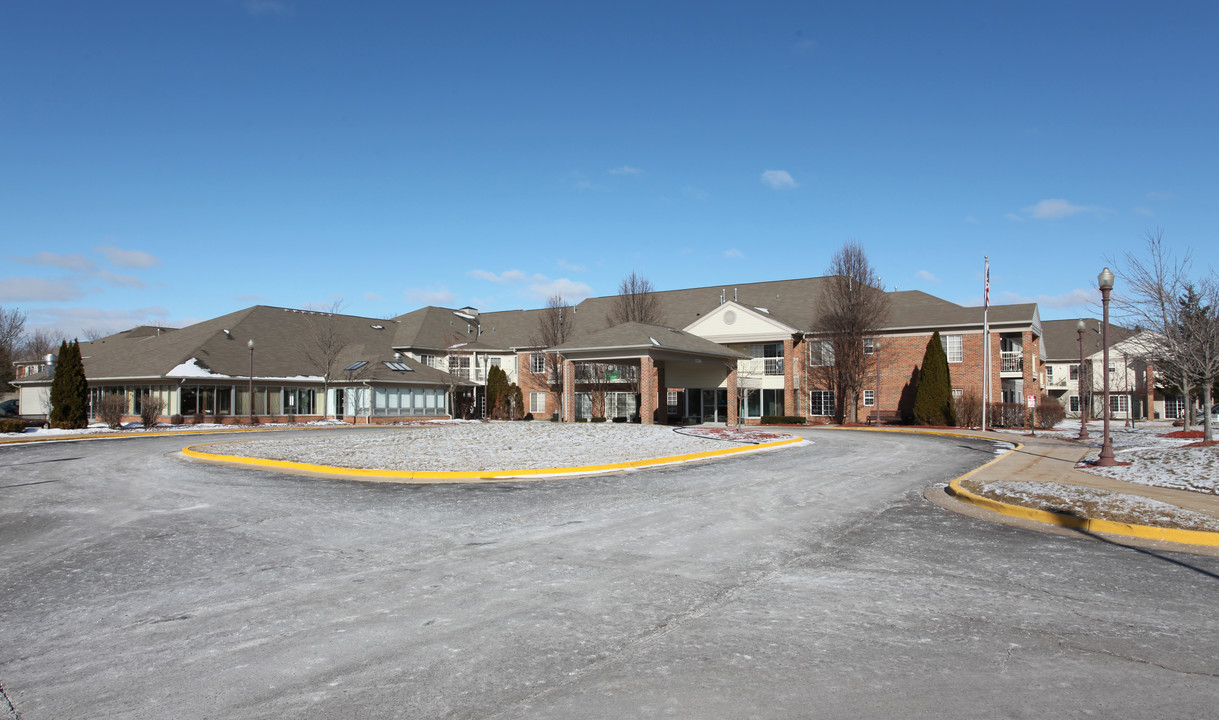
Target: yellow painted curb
x,y
1075,522
467,475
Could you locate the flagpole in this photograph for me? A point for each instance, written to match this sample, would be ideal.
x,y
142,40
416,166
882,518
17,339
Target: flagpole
x,y
986,347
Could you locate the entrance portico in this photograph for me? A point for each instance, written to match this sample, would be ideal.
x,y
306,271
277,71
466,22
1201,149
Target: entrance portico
x,y
648,359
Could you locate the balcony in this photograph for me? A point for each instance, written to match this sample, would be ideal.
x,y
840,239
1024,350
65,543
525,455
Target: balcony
x,y
1011,361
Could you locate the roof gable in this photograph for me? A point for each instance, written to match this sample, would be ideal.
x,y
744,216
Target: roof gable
x,y
732,322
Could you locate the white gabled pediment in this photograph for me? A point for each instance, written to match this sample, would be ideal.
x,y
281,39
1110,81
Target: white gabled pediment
x,y
732,322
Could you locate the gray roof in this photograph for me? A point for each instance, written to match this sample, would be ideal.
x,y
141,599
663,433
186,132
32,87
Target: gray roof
x,y
217,350
1060,338
647,339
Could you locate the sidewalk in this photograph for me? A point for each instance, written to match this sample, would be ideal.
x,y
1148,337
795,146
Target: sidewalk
x,y
1050,460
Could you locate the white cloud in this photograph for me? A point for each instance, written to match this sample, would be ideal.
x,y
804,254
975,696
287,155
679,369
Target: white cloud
x,y
430,297
1065,300
971,220
127,258
571,290
373,297
1059,208
124,280
779,180
508,276
694,193
29,289
75,262
568,266
927,276
733,253
1013,217
626,170
1144,211
74,321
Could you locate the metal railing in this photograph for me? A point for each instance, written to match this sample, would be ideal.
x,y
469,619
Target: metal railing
x,y
1011,362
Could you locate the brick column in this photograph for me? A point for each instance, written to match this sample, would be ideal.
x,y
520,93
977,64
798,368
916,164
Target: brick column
x,y
647,391
662,396
789,375
733,401
568,411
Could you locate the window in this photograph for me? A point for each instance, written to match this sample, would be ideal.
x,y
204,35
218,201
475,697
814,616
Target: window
x,y
1174,408
671,396
1074,403
869,346
958,393
820,353
429,360
954,348
1074,372
772,356
537,402
1049,372
460,366
537,363
495,361
1112,368
1119,403
397,366
869,398
821,402
355,365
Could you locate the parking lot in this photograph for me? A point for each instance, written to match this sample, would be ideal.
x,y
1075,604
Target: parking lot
x,y
811,582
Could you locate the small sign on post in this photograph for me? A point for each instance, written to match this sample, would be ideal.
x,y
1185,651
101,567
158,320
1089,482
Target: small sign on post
x,y
1032,403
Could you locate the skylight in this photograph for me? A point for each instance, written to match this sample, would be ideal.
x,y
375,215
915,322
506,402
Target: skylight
x,y
397,366
356,365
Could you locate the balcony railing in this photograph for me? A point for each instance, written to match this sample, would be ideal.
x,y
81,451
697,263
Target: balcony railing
x,y
1011,362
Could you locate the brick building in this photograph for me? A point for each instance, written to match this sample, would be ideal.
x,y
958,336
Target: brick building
x,y
732,353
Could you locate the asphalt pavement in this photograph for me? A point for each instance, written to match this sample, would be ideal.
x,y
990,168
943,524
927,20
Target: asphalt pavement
x,y
814,581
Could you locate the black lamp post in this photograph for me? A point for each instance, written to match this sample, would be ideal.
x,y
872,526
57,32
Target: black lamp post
x,y
1105,280
251,346
1083,406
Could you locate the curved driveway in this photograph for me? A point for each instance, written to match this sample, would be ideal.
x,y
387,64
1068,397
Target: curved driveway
x,y
808,582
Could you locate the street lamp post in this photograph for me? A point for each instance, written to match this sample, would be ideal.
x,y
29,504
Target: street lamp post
x,y
251,346
1105,281
1083,407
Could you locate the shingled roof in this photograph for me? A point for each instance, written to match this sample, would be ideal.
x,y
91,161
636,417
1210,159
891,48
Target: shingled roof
x,y
1060,338
646,339
217,349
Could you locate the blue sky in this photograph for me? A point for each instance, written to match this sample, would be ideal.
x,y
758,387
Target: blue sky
x,y
167,162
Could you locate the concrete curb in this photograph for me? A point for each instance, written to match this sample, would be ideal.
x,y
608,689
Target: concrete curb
x,y
162,433
456,476
1073,522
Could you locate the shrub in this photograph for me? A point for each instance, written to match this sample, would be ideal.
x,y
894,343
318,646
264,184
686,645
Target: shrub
x,y
580,419
783,420
598,419
969,409
12,426
1009,415
175,419
150,410
1050,412
111,409
621,419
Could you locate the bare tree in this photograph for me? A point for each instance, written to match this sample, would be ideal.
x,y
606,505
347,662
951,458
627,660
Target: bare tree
x,y
636,302
853,308
556,325
91,334
1152,286
1198,340
597,377
323,345
12,328
42,341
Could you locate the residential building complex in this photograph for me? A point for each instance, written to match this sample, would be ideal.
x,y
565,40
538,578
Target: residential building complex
x,y
730,353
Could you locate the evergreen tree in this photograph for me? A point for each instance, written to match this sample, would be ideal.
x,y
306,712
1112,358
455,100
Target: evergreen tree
x,y
933,396
497,393
69,389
